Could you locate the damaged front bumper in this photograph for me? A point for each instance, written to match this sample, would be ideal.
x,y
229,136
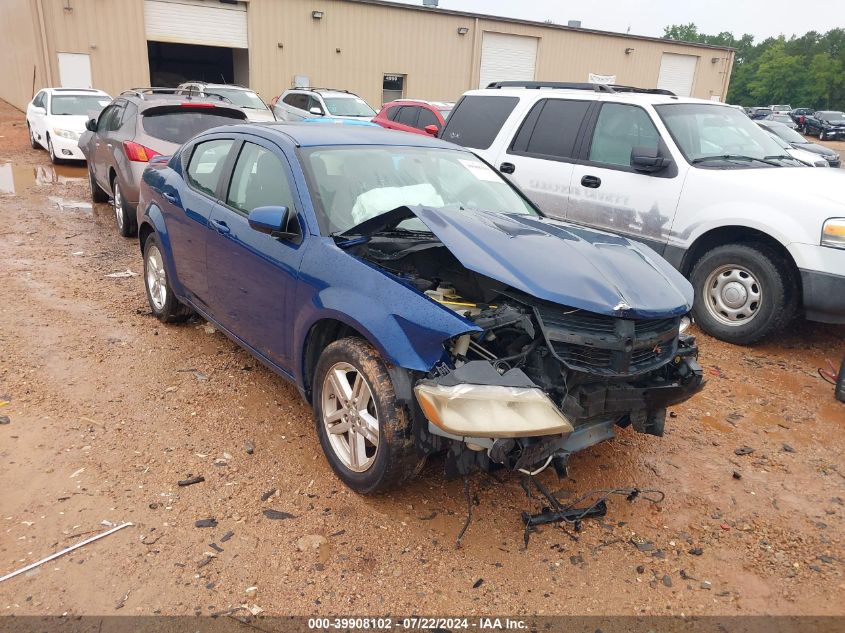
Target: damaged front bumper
x,y
515,423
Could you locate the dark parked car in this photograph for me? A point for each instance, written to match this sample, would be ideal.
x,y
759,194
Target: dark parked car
x,y
827,125
137,125
785,119
798,115
417,299
760,113
799,142
411,115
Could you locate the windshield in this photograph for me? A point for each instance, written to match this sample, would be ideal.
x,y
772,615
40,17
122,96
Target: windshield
x,y
353,184
787,134
781,107
703,130
782,118
831,116
78,105
240,98
348,106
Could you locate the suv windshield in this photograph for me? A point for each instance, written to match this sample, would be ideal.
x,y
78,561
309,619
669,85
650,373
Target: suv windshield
x,y
704,131
348,106
354,184
78,105
240,98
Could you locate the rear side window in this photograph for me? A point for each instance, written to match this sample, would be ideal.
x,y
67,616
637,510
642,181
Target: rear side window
x,y
177,126
619,129
392,112
207,163
407,116
476,120
551,128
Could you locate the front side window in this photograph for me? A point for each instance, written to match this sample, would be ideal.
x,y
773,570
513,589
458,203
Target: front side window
x,y
354,184
407,116
427,118
111,118
207,163
710,134
313,102
619,129
259,180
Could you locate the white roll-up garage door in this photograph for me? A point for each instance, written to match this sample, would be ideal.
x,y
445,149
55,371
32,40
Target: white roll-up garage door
x,y
204,22
677,73
507,57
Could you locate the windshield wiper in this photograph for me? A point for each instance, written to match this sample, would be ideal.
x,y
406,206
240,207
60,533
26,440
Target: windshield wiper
x,y
702,159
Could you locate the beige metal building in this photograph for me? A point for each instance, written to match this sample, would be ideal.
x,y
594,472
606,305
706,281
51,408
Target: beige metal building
x,y
380,50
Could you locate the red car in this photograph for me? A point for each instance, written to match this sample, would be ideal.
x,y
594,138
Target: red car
x,y
413,115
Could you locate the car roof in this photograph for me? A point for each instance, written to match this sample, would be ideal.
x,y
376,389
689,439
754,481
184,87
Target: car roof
x,y
209,84
435,104
621,97
313,135
75,91
324,91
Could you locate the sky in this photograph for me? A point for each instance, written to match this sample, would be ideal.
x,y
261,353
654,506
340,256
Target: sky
x,y
648,17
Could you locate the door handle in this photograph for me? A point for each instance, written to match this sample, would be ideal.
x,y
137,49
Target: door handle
x,y
169,197
220,226
591,181
507,168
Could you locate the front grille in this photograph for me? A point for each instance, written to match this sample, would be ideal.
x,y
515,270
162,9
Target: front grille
x,y
605,345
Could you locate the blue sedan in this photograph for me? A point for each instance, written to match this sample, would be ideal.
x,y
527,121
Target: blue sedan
x,y
418,300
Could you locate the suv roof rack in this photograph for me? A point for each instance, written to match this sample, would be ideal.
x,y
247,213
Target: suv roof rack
x,y
312,89
647,91
215,83
141,92
562,85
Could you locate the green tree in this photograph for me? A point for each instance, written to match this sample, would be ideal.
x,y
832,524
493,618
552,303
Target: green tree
x,y
780,77
825,80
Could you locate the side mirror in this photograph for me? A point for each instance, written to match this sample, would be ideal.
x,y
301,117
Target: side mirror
x,y
431,129
91,125
648,160
271,220
316,110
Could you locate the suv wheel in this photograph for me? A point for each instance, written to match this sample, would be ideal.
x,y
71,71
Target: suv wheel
x,y
123,215
364,432
743,293
163,303
97,192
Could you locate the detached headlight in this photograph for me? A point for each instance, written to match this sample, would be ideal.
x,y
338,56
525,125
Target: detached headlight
x,y
69,134
685,323
833,233
491,410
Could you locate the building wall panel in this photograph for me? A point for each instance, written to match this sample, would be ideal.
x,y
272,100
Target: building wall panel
x,y
21,53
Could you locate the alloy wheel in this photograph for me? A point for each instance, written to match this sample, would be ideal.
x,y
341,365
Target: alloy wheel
x,y
350,417
156,277
118,205
732,295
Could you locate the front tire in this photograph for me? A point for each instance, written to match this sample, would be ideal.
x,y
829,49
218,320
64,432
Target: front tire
x,y
163,303
743,293
821,135
123,214
53,158
32,142
365,433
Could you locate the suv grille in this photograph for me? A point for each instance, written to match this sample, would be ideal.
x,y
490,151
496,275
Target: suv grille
x,y
605,345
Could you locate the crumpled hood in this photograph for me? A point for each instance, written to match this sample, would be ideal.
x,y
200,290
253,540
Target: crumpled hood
x,y
562,263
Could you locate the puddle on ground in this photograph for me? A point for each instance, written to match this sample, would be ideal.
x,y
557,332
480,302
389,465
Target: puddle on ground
x,y
14,179
71,205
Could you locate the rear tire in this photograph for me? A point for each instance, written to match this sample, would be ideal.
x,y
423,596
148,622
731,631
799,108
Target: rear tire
x,y
163,303
353,390
124,214
743,292
97,192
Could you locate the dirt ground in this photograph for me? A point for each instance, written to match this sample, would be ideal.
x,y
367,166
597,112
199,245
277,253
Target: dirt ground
x,y
109,409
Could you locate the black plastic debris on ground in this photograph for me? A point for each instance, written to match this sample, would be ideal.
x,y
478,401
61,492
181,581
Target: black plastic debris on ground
x,y
743,450
268,494
226,536
277,514
215,547
206,523
190,481
5,419
478,583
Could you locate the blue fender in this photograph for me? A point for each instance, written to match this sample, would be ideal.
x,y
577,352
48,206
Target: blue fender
x,y
406,327
154,217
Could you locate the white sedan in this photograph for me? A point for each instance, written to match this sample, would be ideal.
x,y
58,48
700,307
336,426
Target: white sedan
x,y
56,119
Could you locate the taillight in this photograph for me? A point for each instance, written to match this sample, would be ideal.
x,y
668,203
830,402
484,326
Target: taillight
x,y
138,153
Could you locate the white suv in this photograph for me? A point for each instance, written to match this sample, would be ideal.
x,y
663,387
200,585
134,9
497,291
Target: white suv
x,y
297,104
255,109
759,236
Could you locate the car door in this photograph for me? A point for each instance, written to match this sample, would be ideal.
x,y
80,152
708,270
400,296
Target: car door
x,y
427,117
103,161
541,156
294,106
608,193
188,209
251,275
37,112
